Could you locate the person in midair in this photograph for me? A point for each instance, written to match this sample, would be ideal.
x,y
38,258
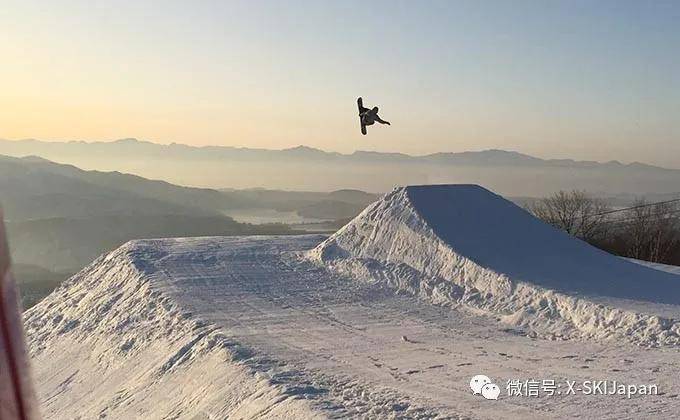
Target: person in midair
x,y
369,116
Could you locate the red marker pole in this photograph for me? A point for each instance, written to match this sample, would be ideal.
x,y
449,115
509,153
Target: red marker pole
x,y
17,399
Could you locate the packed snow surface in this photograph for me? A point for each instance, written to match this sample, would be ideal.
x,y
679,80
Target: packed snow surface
x,y
462,244
498,235
390,317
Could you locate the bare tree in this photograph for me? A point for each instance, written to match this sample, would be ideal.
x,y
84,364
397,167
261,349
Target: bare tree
x,y
652,231
575,212
646,231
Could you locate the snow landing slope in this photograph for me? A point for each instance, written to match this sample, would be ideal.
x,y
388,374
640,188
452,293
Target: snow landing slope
x,y
462,244
114,342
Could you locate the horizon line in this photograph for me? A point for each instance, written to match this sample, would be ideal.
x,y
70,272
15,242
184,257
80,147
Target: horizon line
x,y
302,146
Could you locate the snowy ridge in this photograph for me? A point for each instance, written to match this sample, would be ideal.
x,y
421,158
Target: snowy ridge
x,y
462,245
138,355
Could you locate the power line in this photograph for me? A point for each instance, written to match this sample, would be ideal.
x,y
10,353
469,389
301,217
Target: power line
x,y
604,213
622,221
636,207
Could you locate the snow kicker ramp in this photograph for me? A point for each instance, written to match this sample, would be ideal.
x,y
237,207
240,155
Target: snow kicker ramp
x,y
462,244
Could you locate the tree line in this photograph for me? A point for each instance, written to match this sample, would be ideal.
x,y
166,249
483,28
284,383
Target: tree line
x,y
645,231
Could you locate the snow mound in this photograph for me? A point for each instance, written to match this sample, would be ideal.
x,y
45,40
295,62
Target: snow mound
x,y
464,245
127,350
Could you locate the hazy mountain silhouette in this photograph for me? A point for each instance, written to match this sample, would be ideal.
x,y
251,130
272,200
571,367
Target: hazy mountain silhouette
x,y
309,169
33,188
59,217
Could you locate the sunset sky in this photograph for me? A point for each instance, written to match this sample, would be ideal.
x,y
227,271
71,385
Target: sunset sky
x,y
588,80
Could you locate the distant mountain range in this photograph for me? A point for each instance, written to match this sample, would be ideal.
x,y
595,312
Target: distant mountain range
x,y
34,188
132,148
305,168
59,217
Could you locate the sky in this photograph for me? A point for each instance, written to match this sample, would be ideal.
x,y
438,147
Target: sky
x,y
580,79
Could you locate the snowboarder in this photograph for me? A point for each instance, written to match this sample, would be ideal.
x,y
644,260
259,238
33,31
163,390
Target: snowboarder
x,y
368,116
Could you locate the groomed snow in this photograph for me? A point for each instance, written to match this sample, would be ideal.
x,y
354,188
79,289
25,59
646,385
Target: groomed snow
x,y
388,318
462,244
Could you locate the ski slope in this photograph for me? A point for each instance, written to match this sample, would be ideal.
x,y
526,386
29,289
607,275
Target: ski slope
x,y
388,318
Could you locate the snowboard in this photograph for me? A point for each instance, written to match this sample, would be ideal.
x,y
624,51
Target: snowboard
x,y
360,104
